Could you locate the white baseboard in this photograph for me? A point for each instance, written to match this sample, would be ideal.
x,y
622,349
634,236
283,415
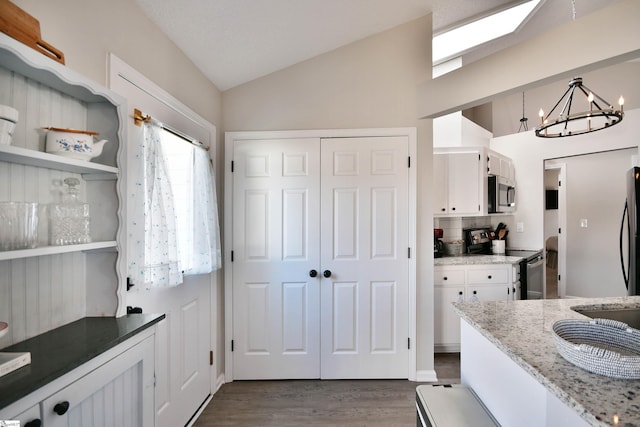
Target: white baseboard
x,y
199,412
446,348
426,376
219,382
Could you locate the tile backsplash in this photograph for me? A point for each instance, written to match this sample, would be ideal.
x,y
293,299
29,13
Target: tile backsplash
x,y
452,227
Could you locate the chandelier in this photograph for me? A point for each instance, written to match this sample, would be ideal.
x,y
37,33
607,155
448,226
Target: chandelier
x,y
599,114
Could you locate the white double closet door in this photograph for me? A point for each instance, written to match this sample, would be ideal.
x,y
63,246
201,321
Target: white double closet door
x,y
321,264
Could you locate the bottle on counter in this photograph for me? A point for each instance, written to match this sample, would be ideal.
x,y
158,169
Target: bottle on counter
x,y
69,220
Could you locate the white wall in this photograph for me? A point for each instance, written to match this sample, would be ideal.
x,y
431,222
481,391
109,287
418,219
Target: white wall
x,y
370,83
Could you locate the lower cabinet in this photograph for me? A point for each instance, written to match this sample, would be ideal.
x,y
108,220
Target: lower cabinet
x,y
115,388
467,283
113,393
30,417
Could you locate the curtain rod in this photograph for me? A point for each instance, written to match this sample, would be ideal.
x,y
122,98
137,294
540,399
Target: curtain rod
x,y
139,118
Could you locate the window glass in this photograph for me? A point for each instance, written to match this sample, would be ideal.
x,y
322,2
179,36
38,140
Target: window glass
x,y
178,155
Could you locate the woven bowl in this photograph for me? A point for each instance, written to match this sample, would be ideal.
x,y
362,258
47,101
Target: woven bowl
x,y
602,346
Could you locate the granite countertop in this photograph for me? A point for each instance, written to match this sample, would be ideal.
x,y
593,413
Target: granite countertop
x,y
471,259
595,398
63,349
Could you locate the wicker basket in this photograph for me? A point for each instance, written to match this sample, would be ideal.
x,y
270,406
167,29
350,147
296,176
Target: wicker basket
x,y
602,346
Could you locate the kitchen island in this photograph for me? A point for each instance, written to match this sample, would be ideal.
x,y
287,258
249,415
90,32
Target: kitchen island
x,y
509,358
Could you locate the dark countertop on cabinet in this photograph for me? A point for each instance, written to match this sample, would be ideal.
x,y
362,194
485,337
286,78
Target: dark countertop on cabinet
x,y
59,351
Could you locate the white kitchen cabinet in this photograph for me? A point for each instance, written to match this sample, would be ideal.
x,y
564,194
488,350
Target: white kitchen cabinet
x,y
460,178
29,418
117,393
467,283
115,388
67,282
500,165
447,324
457,184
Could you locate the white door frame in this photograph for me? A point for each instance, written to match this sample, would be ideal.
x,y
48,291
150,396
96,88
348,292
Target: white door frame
x,y
231,137
562,225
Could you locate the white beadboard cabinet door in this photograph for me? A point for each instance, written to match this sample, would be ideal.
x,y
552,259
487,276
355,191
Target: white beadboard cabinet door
x,y
118,393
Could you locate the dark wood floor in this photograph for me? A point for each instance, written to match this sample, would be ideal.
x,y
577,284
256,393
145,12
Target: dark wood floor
x,y
322,403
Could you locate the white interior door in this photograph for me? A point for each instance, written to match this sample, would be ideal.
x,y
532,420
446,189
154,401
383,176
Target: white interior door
x,y
365,244
183,338
275,246
350,219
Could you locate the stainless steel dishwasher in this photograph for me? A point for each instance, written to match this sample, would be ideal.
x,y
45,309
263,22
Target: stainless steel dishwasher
x,y
531,271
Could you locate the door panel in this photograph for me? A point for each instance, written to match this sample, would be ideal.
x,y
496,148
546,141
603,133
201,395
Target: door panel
x,y
276,234
345,218
365,300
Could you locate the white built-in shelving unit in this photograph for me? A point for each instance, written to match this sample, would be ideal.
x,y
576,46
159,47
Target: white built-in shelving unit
x,y
48,286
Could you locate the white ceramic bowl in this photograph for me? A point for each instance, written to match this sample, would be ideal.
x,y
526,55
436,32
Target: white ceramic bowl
x,y
77,145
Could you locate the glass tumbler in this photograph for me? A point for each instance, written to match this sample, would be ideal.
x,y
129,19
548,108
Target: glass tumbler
x,y
18,225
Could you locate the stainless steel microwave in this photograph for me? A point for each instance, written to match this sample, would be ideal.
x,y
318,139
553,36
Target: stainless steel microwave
x,y
502,195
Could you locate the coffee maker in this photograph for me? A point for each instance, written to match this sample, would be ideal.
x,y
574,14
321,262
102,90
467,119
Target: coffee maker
x,y
438,246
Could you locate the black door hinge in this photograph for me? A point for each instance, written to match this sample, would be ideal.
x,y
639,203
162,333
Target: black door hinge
x,y
408,343
211,358
558,277
409,253
231,345
559,230
409,161
232,165
129,283
231,256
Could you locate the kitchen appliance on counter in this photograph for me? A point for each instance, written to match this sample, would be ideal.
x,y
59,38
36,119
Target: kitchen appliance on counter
x,y
478,240
501,195
632,206
438,246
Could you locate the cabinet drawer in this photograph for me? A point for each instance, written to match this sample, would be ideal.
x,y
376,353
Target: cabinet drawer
x,y
492,275
449,277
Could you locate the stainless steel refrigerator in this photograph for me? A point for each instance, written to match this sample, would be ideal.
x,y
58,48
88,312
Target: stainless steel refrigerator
x,y
631,273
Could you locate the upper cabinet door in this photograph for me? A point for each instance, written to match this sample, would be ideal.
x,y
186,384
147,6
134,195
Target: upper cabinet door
x,y
464,183
440,183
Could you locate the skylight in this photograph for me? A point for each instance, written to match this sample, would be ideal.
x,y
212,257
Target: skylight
x,y
455,42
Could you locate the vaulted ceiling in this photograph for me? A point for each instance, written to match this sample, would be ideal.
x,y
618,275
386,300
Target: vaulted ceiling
x,y
236,41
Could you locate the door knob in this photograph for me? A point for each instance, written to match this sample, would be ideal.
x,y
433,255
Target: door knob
x,y
61,408
313,273
326,273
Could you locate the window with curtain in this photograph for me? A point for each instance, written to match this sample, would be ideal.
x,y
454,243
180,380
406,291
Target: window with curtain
x,y
175,202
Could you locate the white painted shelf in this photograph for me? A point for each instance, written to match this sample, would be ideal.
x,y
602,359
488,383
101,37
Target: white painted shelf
x,y
24,156
53,250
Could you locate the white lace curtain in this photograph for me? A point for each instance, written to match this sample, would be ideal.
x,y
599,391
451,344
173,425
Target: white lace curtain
x,y
154,253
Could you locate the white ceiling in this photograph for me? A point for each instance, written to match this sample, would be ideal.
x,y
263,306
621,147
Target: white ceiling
x,y
236,41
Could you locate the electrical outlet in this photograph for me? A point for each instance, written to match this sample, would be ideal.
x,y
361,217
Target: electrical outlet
x,y
584,223
520,227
